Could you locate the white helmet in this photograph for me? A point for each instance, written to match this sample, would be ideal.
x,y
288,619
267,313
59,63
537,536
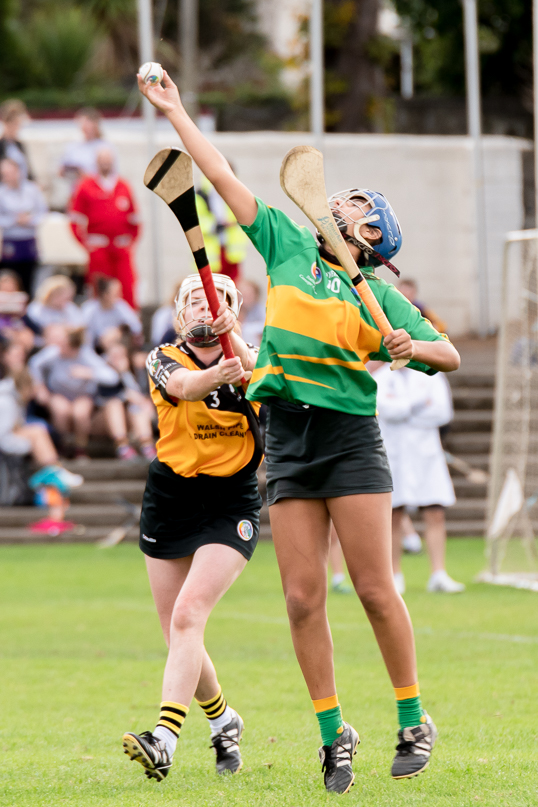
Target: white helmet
x,y
196,331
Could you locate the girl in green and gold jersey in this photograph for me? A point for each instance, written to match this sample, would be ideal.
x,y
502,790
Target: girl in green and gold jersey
x,y
325,457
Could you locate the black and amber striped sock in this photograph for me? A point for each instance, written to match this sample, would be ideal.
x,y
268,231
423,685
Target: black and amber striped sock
x,y
172,716
214,707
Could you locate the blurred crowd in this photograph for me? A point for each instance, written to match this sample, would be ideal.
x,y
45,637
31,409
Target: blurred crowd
x,y
72,349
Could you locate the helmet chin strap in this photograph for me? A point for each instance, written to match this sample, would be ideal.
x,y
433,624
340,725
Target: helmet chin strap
x,y
358,241
361,243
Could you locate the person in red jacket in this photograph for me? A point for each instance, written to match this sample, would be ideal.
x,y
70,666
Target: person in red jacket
x,y
105,221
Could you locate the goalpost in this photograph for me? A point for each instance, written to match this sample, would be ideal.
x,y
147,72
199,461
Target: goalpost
x,y
513,488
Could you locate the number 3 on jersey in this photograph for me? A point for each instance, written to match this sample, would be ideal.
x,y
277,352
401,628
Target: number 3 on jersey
x,y
215,403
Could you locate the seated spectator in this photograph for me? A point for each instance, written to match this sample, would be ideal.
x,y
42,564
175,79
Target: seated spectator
x,y
15,360
53,304
128,408
80,158
162,322
252,313
19,438
14,115
13,322
108,310
67,376
22,207
14,364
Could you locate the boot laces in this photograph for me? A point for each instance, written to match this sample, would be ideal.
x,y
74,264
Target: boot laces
x,y
336,758
225,740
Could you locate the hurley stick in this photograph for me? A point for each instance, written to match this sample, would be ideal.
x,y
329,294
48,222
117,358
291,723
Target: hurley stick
x,y
301,178
169,175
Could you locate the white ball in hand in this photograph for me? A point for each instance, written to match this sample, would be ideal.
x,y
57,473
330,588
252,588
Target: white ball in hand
x,y
151,72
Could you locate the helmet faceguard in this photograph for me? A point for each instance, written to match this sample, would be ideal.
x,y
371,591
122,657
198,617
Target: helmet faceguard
x,y
194,329
380,215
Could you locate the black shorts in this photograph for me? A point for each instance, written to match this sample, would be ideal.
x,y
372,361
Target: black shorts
x,y
179,514
315,453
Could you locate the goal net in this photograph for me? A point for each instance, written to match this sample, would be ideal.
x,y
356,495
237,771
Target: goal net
x,y
513,486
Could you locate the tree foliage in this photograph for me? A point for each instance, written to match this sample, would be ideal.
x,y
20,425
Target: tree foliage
x,y
13,68
59,46
505,41
354,74
69,44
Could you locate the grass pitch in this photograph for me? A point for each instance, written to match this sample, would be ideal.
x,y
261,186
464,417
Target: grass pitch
x,y
82,660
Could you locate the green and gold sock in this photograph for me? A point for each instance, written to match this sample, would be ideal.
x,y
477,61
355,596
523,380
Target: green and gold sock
x,y
410,711
172,716
329,715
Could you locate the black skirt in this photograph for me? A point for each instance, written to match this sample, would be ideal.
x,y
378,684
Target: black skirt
x,y
180,514
315,453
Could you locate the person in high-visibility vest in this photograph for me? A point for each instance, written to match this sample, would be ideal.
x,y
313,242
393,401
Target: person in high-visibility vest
x,y
225,241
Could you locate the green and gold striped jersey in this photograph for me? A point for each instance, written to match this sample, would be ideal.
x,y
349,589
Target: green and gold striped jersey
x,y
317,334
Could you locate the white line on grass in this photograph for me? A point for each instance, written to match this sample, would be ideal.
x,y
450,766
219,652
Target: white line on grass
x,y
425,631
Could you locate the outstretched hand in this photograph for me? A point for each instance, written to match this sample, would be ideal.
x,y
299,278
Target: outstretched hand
x,y
166,99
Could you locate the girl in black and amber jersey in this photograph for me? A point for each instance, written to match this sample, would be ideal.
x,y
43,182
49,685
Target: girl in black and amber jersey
x,y
200,513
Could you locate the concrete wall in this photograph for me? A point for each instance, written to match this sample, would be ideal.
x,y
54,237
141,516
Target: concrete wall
x,y
426,178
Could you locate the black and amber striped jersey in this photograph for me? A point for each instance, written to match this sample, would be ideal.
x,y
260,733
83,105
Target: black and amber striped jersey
x,y
213,436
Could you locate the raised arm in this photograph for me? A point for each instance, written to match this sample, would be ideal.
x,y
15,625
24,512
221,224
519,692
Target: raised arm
x,y
208,158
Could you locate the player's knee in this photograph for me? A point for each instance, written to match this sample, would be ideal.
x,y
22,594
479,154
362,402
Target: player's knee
x,y
376,600
189,614
302,604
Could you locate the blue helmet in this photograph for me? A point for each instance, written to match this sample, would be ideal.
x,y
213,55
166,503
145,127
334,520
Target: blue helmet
x,y
380,215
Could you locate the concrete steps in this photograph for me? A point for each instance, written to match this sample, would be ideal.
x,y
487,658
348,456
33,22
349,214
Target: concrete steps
x,y
81,534
469,438
103,469
463,443
103,502
112,487
106,492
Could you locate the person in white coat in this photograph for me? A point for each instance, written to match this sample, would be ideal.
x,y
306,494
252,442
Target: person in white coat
x,y
411,408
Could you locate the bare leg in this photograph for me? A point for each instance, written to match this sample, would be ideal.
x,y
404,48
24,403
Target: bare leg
x,y
336,558
398,515
82,409
61,411
213,569
166,579
434,520
363,524
408,528
114,412
43,450
301,534
140,422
